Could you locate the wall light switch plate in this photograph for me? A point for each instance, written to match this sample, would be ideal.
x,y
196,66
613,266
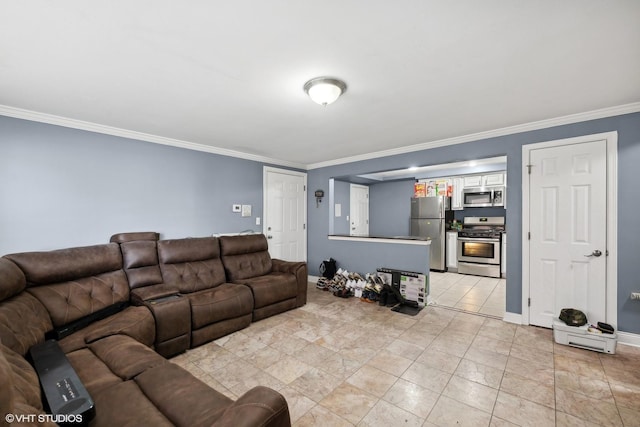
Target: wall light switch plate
x,y
236,208
257,220
246,210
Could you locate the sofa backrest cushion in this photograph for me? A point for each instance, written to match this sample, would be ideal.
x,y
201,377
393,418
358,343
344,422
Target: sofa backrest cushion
x,y
25,386
140,260
73,283
7,398
12,280
135,236
23,322
191,264
245,256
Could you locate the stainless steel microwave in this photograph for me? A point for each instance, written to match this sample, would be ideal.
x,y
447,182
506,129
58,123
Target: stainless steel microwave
x,y
479,197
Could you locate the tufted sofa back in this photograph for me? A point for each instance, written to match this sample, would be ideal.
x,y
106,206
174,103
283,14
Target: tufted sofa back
x,y
191,264
73,283
245,256
23,319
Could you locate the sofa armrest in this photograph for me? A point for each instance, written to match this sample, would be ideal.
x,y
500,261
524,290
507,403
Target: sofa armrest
x,y
140,295
298,269
260,406
282,266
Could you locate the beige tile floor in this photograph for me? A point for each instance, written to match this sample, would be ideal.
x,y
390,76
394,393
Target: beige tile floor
x,y
344,362
475,294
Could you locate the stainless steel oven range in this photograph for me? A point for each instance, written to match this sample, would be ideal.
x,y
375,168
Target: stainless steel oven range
x,y
479,245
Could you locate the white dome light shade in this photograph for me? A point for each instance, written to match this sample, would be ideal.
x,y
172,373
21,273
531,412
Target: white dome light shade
x,y
324,90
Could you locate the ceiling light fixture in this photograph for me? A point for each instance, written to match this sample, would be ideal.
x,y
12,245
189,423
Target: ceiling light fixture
x,y
324,90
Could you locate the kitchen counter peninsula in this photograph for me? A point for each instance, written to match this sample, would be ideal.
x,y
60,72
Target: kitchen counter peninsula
x,y
365,254
407,240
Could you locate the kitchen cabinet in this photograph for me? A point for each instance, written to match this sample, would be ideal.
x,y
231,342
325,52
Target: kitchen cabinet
x,y
503,253
452,251
456,196
488,180
473,181
493,179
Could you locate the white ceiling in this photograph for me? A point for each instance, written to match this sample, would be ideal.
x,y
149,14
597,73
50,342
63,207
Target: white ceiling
x,y
230,74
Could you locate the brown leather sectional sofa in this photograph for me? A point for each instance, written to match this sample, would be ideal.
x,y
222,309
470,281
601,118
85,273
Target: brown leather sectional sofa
x,y
147,298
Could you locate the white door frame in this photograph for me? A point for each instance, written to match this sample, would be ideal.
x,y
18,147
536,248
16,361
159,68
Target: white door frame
x,y
265,170
612,219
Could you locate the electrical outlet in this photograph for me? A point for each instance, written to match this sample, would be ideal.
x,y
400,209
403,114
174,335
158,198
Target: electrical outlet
x,y
635,295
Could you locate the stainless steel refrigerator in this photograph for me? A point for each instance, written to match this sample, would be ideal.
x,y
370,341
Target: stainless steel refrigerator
x,y
429,216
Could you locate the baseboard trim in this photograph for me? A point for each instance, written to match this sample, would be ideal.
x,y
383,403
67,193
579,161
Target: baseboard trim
x,y
513,318
627,338
312,279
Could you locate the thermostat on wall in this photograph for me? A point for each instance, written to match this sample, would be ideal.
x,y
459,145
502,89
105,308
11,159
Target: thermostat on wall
x,y
236,208
246,210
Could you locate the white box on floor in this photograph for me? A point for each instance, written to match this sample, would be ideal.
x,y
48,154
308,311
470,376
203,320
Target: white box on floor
x,y
579,336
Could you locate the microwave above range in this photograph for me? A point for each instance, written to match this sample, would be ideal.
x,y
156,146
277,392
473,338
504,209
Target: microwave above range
x,y
480,197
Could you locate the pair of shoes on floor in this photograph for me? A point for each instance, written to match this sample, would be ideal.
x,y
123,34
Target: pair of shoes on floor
x,y
343,293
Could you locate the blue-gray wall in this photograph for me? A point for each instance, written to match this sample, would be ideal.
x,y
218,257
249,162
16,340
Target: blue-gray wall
x,y
628,127
342,196
62,187
390,208
367,257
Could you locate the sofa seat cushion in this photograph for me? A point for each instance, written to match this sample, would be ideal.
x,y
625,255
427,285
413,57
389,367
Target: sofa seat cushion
x,y
272,288
225,301
136,322
125,404
93,372
112,360
199,404
126,357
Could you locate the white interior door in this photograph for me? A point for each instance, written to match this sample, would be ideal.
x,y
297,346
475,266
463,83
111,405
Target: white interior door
x,y
568,226
285,213
359,210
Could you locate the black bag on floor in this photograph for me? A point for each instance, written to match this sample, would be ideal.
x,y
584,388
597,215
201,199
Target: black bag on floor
x,y
328,268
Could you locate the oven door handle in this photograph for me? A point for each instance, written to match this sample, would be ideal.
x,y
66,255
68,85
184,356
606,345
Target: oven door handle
x,y
478,240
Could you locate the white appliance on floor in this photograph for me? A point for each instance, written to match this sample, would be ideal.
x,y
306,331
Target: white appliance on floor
x,y
579,336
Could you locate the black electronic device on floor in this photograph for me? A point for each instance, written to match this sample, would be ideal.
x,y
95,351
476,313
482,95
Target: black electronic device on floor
x,y
63,390
404,306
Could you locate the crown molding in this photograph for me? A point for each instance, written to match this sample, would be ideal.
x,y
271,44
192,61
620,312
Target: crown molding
x,y
124,133
35,116
542,124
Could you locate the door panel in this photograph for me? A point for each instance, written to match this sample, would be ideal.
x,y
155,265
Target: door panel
x,y
568,222
359,210
285,215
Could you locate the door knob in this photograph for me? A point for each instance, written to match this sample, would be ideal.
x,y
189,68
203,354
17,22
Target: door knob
x,y
595,253
269,237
